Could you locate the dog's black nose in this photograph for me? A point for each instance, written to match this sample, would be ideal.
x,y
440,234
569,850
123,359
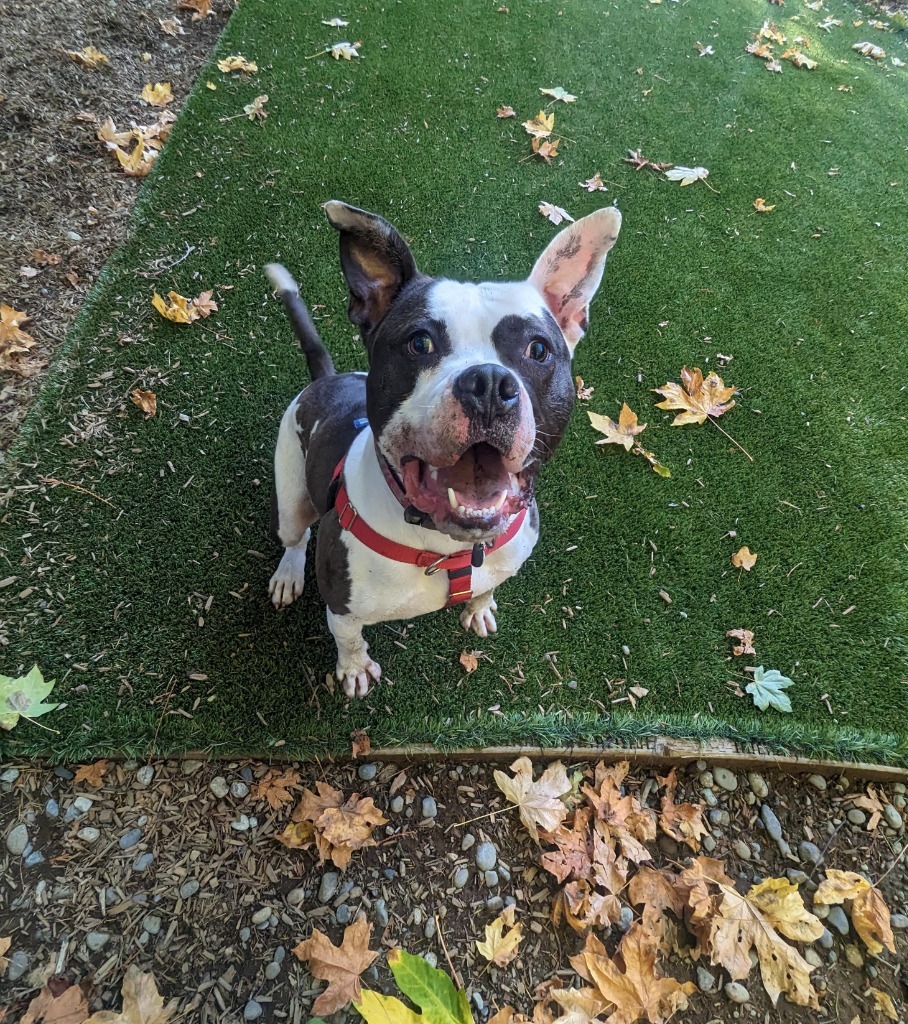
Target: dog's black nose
x,y
487,391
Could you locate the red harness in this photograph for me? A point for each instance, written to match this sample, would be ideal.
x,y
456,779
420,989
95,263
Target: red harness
x,y
459,566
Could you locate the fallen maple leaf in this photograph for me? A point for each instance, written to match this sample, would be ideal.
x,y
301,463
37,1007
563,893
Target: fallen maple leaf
x,y
761,207
767,689
594,184
92,774
200,8
621,817
554,213
882,1003
870,50
774,65
237,63
335,22
171,26
698,398
799,59
629,981
256,109
204,305
686,175
657,891
142,1003
274,786
573,856
548,150
623,432
341,966
349,827
636,158
113,139
179,310
57,1003
45,259
769,31
744,558
584,391
783,907
362,745
683,822
505,111
346,50
147,401
22,697
539,802
157,95
88,58
427,987
499,946
541,126
139,162
869,802
746,645
869,913
13,340
469,661
761,50
559,94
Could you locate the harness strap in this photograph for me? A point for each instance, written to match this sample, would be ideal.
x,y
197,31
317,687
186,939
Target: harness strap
x,y
458,565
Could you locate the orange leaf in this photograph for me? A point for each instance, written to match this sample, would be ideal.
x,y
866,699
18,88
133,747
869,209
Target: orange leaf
x,y
683,822
744,558
92,774
341,966
698,398
274,786
147,401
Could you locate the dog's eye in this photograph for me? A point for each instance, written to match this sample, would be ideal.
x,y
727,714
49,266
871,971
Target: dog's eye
x,y
537,350
421,345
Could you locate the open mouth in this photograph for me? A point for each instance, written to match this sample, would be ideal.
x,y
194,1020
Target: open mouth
x,y
476,494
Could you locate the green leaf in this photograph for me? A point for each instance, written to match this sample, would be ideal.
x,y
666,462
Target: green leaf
x,y
430,988
379,1009
21,697
767,689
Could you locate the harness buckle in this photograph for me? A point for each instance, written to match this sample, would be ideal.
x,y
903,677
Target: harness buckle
x,y
348,516
435,566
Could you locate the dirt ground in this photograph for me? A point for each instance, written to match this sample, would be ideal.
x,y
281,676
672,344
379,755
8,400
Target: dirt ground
x,y
175,868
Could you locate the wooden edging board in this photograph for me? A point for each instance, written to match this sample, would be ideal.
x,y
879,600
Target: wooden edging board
x,y
657,752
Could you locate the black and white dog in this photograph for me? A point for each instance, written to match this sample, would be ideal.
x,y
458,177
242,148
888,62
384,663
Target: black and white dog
x,y
422,469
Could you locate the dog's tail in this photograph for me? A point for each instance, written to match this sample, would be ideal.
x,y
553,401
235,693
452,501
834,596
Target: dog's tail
x,y
317,356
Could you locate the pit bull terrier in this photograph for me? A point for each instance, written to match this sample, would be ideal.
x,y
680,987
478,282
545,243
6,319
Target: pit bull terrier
x,y
422,470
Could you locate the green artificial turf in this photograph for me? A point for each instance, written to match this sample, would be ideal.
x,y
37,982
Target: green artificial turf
x,y
151,611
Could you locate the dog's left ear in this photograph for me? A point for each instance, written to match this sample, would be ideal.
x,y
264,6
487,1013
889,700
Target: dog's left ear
x,y
568,273
375,260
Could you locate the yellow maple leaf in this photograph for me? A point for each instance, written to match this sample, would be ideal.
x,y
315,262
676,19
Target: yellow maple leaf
x,y
761,207
499,946
157,95
237,63
142,1003
139,162
147,401
538,801
623,432
883,1003
256,109
178,311
113,139
88,58
744,558
699,398
869,913
784,908
541,126
12,337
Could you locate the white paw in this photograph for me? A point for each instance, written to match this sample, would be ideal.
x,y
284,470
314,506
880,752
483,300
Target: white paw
x,y
287,583
357,675
480,619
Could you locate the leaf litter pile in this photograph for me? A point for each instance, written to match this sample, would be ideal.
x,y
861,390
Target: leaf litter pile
x,y
617,897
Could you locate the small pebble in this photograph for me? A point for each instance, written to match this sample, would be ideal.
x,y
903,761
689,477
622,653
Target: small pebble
x,y
494,903
758,785
367,772
189,888
343,913
735,992
796,876
742,849
825,940
74,236
130,838
486,856
272,970
772,823
853,955
892,816
189,767
242,824
18,965
397,804
279,954
96,940
813,957
381,913
261,915
709,798
725,779
416,916
899,922
152,924
468,842
83,804
245,932
709,844
491,879
461,877
145,775
717,816
429,807
809,852
856,816
10,775
821,910
625,920
705,981
431,959
252,1010
89,834
239,790
52,808
246,773
296,896
219,787
818,782
142,862
328,886
706,780
34,858
838,920
479,1001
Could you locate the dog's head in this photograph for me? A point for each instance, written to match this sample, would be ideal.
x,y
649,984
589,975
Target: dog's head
x,y
469,388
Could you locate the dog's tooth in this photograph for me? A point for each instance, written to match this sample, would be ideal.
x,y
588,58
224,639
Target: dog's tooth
x,y
502,498
462,510
452,498
433,473
515,483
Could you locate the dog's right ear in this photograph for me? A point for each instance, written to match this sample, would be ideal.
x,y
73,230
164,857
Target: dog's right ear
x,y
375,260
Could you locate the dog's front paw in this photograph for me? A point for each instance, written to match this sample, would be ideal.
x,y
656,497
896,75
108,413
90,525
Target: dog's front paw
x,y
479,615
287,582
357,675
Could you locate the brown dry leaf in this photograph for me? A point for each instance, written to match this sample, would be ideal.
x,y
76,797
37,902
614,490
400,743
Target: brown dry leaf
x,y
178,312
658,892
274,786
92,774
298,835
573,856
623,432
505,111
13,340
799,59
542,125
746,645
594,184
584,908
88,58
621,817
783,907
57,1003
237,63
142,1003
539,802
346,50
761,207
499,946
171,26
256,109
769,31
139,162
469,661
45,259
546,149
147,401
869,913
555,214
362,745
341,966
870,802
204,304
349,827
584,392
157,95
200,8
581,1005
5,943
882,1003
629,982
698,398
683,822
761,50
113,139
744,558
636,158
870,50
